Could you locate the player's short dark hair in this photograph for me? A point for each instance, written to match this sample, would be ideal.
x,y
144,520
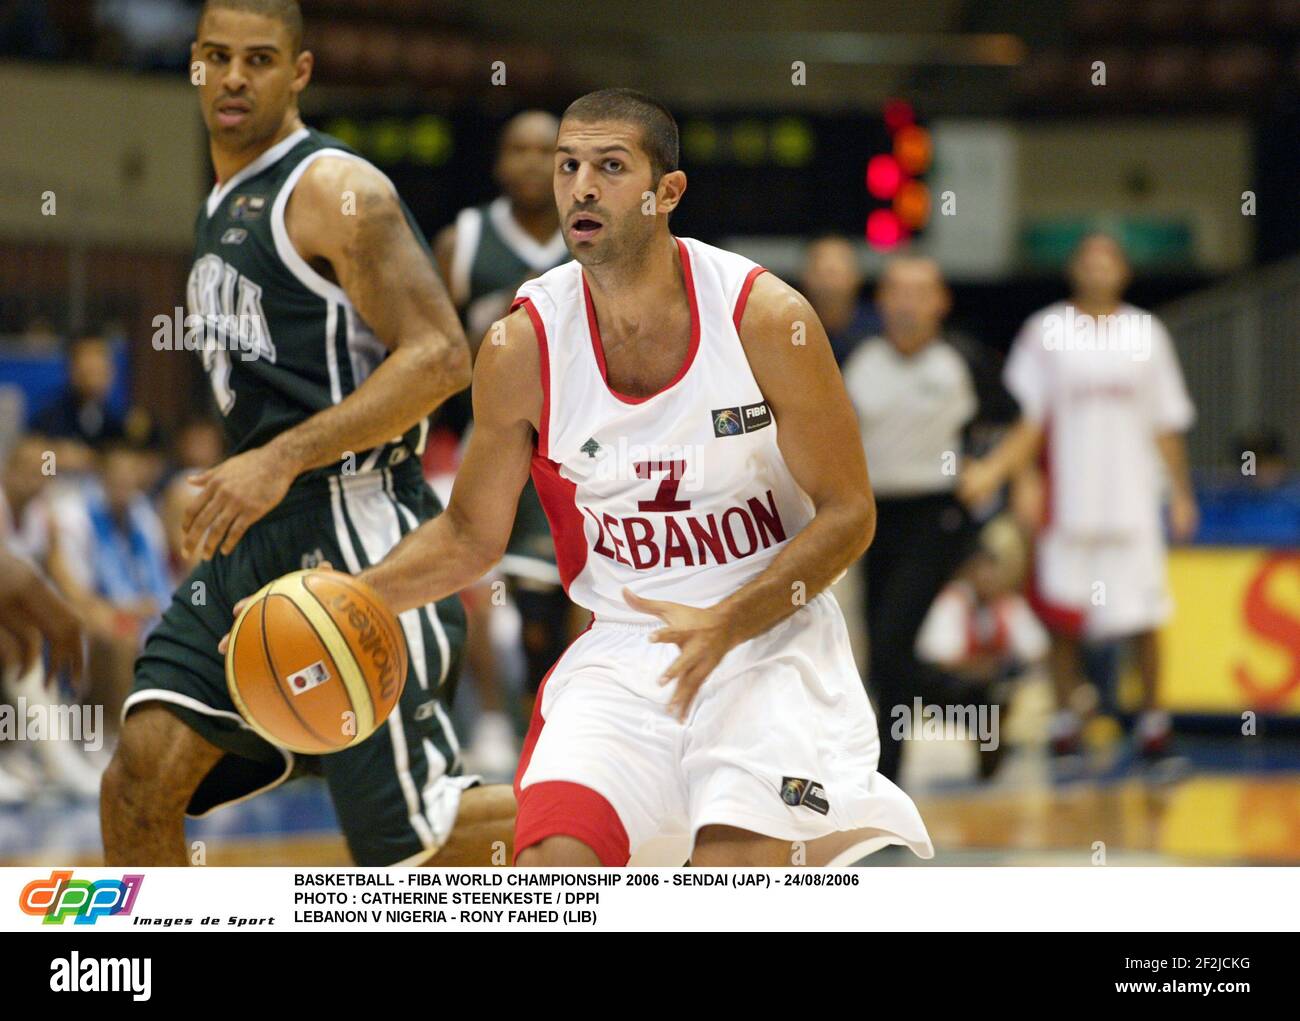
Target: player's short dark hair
x,y
659,137
287,12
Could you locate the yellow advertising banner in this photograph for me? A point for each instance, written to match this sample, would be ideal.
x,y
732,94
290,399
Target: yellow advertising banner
x,y
1234,640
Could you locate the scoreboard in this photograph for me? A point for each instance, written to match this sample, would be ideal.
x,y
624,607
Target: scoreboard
x,y
748,173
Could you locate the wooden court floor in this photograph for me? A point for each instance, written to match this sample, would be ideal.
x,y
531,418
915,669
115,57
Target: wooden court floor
x,y
1202,820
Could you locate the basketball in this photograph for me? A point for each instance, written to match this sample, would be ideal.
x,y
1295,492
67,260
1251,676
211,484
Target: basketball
x,y
316,662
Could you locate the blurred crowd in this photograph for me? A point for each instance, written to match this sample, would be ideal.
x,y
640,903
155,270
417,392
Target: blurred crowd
x,y
94,498
146,34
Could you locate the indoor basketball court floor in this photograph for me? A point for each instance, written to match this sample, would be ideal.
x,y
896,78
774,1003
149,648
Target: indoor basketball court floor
x,y
1235,803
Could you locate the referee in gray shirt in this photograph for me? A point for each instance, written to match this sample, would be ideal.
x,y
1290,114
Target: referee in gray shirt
x,y
919,395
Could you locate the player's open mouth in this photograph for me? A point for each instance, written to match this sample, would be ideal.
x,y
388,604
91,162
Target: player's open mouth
x,y
233,111
584,228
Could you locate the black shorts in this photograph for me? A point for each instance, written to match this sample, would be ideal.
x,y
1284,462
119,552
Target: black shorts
x,y
396,794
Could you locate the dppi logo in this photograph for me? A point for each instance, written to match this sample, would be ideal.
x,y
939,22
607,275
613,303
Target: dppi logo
x,y
61,896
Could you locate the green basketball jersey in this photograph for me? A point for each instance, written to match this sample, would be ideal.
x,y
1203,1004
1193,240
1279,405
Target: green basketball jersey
x,y
493,254
281,342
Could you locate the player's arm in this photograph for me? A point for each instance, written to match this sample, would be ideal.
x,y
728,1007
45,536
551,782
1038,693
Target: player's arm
x,y
459,546
822,447
1182,498
1014,453
444,247
820,442
388,277
345,219
1028,381
31,611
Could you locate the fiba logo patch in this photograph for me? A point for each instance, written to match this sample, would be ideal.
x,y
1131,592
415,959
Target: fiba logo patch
x,y
796,791
746,419
726,422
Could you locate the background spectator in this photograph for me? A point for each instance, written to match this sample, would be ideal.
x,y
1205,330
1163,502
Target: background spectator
x,y
832,282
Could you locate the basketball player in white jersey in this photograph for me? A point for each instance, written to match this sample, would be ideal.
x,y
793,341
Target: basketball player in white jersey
x,y
1101,392
687,429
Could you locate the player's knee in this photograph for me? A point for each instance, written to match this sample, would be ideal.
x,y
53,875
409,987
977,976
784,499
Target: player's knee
x,y
557,852
158,762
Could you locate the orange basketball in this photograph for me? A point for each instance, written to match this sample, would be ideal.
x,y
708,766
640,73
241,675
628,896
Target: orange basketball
x,y
316,662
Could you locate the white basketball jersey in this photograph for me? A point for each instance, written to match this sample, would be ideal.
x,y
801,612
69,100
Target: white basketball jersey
x,y
682,495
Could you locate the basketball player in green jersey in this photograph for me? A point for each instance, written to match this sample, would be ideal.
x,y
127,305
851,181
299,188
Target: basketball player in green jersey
x,y
491,249
328,340
484,256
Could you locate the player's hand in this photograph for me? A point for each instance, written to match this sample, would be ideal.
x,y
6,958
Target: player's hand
x,y
224,644
1029,501
30,610
1183,516
701,634
979,482
234,496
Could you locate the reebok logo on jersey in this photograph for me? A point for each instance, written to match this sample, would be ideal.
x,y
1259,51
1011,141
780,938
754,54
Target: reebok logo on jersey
x,y
425,710
796,791
234,236
735,421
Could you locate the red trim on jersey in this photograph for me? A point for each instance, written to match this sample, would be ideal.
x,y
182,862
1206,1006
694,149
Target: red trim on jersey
x,y
1056,617
536,723
593,328
1063,620
544,364
743,300
559,499
558,808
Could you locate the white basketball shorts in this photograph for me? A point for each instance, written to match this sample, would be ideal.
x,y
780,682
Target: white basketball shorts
x,y
1114,587
780,740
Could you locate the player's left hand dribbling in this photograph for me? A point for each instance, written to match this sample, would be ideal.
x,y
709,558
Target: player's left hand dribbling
x,y
235,495
701,634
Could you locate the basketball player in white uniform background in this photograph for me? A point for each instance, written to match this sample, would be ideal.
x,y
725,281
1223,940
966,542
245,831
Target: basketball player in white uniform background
x,y
687,429
1099,386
